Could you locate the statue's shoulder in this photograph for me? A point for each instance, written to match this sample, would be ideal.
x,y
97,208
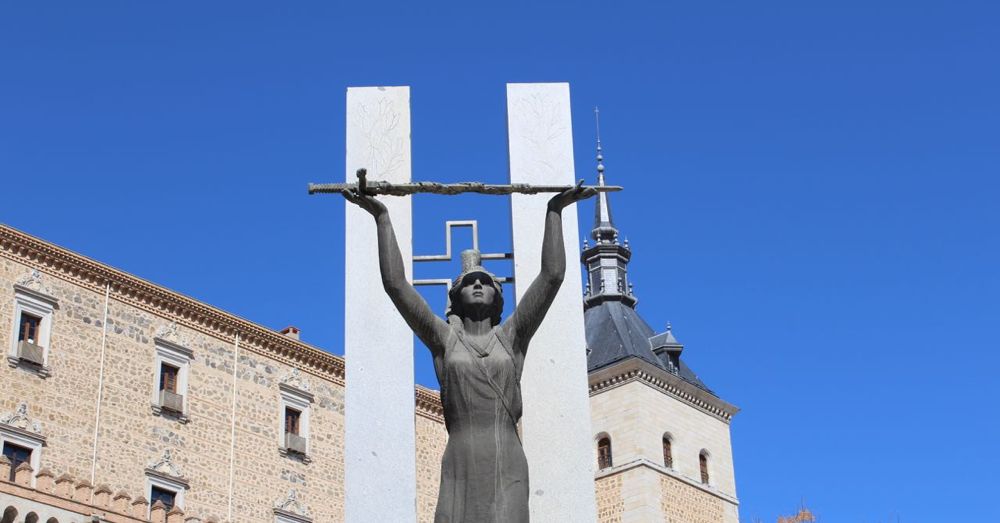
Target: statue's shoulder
x,y
505,336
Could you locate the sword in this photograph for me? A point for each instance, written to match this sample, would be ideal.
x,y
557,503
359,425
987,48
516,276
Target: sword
x,y
374,188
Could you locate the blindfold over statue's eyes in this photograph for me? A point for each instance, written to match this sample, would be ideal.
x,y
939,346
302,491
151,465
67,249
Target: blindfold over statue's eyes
x,y
470,279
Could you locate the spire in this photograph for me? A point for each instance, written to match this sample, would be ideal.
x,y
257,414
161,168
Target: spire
x,y
604,228
607,258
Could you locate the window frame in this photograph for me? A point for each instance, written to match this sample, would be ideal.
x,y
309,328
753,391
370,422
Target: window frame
x,y
282,516
152,497
163,482
299,400
14,463
610,453
668,450
705,467
174,355
32,442
42,306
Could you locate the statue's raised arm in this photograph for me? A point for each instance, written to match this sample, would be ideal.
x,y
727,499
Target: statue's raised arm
x,y
431,329
531,309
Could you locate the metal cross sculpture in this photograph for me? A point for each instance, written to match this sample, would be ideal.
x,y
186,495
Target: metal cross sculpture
x,y
447,256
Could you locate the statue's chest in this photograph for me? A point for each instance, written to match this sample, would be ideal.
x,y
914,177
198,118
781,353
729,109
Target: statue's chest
x,y
477,355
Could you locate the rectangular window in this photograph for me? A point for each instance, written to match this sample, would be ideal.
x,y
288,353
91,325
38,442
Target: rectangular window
x,y
171,371
168,377
292,418
31,331
29,328
293,421
168,497
17,455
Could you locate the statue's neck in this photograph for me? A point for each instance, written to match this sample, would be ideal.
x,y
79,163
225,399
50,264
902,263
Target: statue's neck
x,y
475,327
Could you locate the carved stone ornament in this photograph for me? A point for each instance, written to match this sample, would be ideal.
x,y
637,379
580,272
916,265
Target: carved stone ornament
x,y
33,281
292,505
166,466
296,380
169,332
19,419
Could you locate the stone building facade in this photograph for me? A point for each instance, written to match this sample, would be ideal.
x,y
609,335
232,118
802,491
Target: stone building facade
x,y
99,436
122,401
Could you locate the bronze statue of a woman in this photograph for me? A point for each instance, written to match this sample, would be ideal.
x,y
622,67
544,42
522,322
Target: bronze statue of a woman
x,y
478,362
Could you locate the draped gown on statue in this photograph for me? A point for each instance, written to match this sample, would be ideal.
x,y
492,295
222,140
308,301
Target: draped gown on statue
x,y
484,474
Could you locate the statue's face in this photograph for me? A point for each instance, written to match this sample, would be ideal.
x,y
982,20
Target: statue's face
x,y
477,291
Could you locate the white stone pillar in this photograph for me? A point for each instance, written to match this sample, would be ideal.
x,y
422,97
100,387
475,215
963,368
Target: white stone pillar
x,y
379,446
556,422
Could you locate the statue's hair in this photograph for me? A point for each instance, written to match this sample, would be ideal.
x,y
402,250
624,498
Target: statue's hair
x,y
455,304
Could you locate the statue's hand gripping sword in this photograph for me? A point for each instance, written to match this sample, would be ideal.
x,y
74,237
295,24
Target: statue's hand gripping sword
x,y
403,189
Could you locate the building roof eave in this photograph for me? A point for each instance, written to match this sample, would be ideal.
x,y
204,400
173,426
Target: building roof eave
x,y
635,369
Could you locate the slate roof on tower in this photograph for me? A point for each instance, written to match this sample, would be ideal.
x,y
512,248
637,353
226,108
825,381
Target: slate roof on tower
x,y
614,329
616,332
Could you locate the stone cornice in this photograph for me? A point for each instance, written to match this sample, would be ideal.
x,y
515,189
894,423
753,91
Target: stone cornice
x,y
429,404
191,313
634,369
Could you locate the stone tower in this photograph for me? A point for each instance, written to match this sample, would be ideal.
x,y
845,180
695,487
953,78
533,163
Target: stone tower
x,y
661,436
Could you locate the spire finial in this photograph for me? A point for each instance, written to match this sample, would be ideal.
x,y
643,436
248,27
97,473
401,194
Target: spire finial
x,y
597,122
669,327
600,154
604,229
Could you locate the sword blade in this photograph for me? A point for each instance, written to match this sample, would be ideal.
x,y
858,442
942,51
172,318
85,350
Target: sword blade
x,y
374,188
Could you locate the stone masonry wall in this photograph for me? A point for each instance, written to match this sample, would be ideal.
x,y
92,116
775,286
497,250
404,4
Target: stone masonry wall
x,y
130,437
431,441
682,503
63,402
635,416
610,506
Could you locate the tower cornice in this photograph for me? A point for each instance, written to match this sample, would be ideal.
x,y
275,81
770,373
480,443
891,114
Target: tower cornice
x,y
636,370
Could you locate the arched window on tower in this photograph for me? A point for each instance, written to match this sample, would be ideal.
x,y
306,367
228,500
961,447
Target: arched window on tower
x,y
604,453
703,465
668,452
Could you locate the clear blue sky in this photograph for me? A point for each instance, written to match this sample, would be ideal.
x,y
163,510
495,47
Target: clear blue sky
x,y
811,192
